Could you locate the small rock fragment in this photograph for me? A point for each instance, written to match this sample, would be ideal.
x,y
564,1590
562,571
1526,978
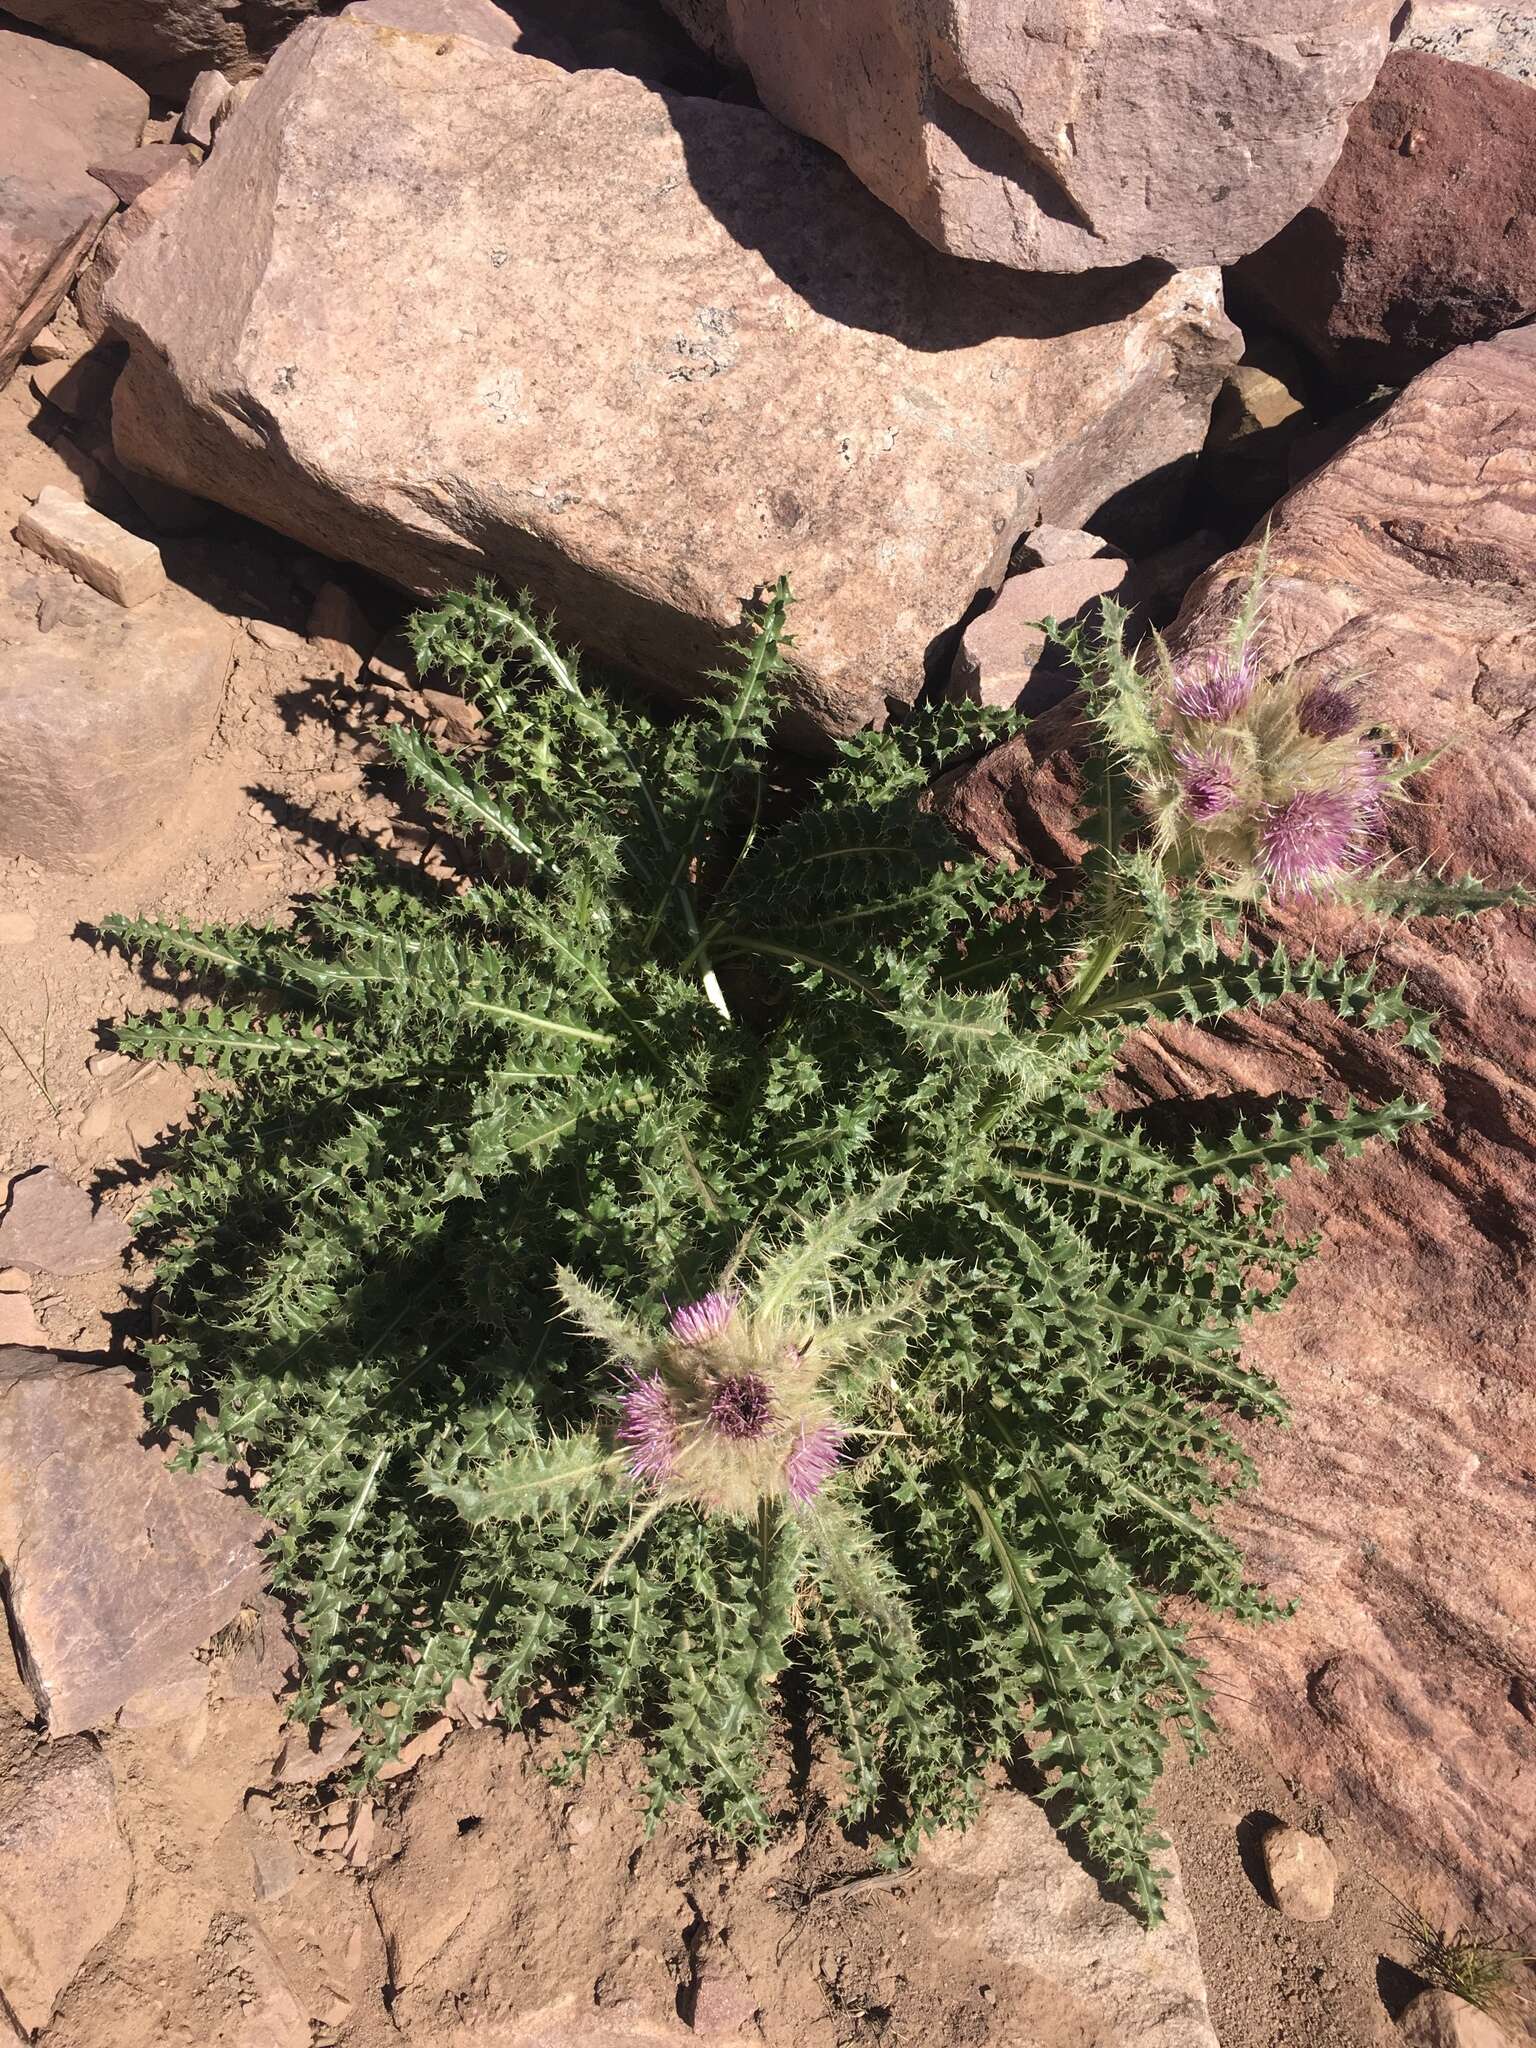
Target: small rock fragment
x,y
94,548
64,1874
1004,657
276,1862
19,1324
427,1743
359,1842
724,2003
302,1761
61,340
14,1281
1046,545
340,635
1439,2019
206,105
51,1226
276,639
17,928
132,174
393,662
1302,1872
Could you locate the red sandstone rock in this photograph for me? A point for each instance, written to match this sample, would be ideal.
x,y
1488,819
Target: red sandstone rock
x,y
1398,1511
1424,236
1068,135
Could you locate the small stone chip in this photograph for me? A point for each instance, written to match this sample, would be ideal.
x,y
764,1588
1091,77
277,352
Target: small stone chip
x,y
93,547
51,1226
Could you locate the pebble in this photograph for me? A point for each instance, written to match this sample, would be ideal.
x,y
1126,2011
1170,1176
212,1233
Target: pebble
x,y
1302,1873
17,928
14,1281
100,1064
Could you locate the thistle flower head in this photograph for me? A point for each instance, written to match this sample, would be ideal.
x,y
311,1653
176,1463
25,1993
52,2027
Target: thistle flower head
x,y
1313,839
1215,687
647,1427
816,1455
1328,712
696,1322
742,1407
1207,781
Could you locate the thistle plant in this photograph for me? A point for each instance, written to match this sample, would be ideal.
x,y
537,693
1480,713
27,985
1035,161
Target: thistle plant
x,y
696,1246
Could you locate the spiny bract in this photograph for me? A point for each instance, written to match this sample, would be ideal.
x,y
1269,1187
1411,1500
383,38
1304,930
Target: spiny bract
x,y
940,1417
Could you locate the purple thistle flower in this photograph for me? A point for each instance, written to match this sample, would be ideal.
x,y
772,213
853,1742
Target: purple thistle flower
x,y
1328,712
647,1427
697,1321
1309,840
1216,688
1207,779
742,1407
813,1460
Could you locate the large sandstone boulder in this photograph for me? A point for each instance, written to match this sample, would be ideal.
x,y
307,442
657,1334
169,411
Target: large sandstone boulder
x,y
1423,237
1063,134
164,44
443,309
60,112
1398,1511
114,1566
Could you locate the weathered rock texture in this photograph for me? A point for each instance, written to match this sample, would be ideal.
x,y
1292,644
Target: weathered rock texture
x,y
1398,1511
60,111
1439,2019
51,1225
113,1565
164,44
1087,1955
1474,32
442,309
65,1873
102,712
1063,134
1423,237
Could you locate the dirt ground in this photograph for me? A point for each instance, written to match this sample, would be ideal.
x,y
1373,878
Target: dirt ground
x,y
267,1916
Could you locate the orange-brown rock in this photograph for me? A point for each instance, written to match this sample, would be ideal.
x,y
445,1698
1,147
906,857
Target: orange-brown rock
x,y
1398,1511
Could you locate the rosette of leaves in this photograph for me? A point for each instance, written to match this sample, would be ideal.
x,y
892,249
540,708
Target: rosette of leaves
x,y
680,1039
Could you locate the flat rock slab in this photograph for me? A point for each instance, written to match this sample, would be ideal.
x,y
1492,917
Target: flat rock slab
x,y
444,309
60,111
51,1225
96,549
65,1873
1070,135
102,712
115,1565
